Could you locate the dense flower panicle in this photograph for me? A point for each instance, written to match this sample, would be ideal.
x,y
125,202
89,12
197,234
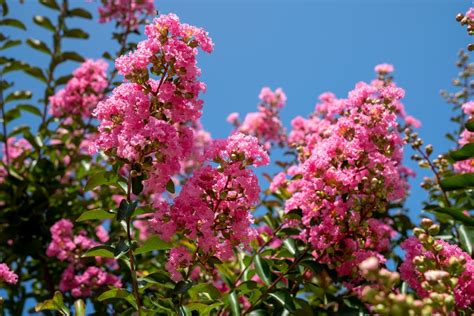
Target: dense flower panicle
x,y
466,137
6,275
212,208
179,258
83,284
201,140
350,154
155,122
79,278
16,148
264,124
82,92
127,13
423,267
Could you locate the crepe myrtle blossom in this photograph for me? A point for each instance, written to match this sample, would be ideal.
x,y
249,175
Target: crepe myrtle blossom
x,y
82,92
126,13
151,122
16,148
350,154
264,124
6,275
213,207
466,137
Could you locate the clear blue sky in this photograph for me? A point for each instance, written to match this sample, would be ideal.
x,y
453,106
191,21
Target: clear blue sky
x,y
305,47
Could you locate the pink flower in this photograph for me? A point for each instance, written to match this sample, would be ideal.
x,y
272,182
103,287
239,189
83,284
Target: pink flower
x,y
384,68
126,12
179,258
233,118
82,92
470,14
6,275
411,121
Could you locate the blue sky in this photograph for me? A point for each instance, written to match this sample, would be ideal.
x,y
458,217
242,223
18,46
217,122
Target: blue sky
x,y
305,47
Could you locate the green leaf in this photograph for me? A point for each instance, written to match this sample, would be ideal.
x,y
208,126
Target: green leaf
x,y
37,73
56,304
247,287
50,4
170,186
76,33
10,43
71,56
457,182
81,13
470,125
121,249
466,152
38,45
152,243
100,251
126,210
182,287
18,95
117,293
101,178
63,80
290,244
11,115
80,308
202,309
283,297
29,108
95,215
259,312
234,304
466,237
454,213
13,23
44,22
204,291
263,269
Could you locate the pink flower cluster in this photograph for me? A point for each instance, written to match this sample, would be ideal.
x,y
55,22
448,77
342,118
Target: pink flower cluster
x,y
155,117
466,137
350,154
440,262
82,92
212,208
264,124
127,13
6,275
69,247
16,148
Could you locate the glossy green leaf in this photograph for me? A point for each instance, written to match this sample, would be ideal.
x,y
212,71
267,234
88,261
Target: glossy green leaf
x,y
283,297
290,244
121,248
152,243
29,108
52,4
170,186
79,308
466,152
38,45
204,291
76,33
470,125
10,43
100,251
182,287
466,237
454,213
263,269
44,22
202,309
18,95
101,178
81,13
126,210
259,312
73,56
13,23
117,293
95,215
37,73
63,80
56,304
234,304
457,182
12,114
